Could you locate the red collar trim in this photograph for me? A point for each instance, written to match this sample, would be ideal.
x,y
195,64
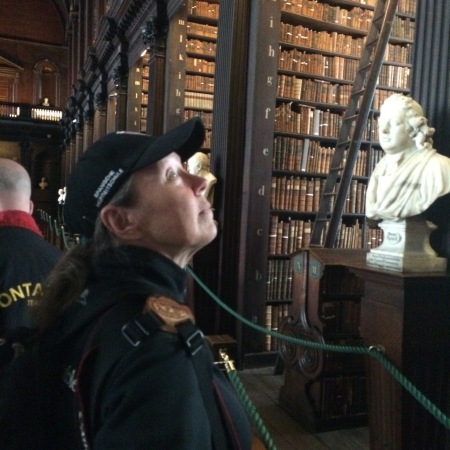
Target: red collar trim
x,y
19,219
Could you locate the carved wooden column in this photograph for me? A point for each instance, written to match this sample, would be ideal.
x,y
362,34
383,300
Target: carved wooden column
x,y
100,116
120,76
408,314
154,35
79,136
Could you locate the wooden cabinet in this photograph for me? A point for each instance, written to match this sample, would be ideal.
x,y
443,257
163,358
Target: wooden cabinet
x,y
323,389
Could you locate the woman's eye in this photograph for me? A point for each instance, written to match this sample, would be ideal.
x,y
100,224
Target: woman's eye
x,y
172,175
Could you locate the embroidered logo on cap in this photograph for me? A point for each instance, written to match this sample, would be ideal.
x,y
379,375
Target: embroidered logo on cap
x,y
106,185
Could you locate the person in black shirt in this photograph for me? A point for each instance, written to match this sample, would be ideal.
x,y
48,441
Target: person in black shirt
x,y
135,368
25,258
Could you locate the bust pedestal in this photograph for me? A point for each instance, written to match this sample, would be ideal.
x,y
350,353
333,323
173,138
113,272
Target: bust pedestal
x,y
406,247
408,314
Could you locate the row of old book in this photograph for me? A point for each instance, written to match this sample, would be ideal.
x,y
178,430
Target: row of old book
x,y
198,100
354,17
289,236
297,193
317,10
338,67
338,42
307,155
204,9
312,90
200,65
317,64
274,317
199,83
394,76
197,46
321,91
199,29
279,280
293,117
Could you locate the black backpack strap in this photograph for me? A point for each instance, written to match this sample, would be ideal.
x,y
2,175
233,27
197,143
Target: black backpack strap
x,y
160,314
193,340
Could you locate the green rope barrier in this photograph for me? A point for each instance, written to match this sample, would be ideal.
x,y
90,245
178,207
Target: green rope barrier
x,y
263,433
374,351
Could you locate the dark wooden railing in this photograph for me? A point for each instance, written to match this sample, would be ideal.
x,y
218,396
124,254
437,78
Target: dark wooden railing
x,y
24,111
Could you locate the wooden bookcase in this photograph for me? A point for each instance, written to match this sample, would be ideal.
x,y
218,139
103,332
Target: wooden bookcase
x,y
316,48
138,82
194,37
325,390
300,63
192,44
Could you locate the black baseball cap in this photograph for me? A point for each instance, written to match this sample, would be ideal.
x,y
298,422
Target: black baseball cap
x,y
105,165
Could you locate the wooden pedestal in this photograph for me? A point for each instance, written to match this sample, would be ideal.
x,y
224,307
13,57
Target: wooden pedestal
x,y
409,314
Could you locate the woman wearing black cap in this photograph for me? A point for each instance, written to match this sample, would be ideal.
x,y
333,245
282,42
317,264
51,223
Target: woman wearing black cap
x,y
134,372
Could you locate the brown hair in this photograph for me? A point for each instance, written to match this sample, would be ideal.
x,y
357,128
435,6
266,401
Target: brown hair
x,y
69,277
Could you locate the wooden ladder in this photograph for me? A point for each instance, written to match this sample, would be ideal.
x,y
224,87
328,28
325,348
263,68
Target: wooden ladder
x,y
354,122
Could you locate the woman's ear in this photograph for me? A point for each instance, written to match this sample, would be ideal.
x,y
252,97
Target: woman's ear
x,y
118,220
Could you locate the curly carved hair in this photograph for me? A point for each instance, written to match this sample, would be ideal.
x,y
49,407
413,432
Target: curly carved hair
x,y
416,122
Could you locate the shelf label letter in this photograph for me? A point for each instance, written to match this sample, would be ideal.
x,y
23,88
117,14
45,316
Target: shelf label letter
x,y
261,191
271,52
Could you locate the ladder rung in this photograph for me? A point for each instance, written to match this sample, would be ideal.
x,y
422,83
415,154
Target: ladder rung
x,y
351,118
365,67
358,92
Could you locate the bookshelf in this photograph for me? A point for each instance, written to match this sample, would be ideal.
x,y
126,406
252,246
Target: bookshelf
x,y
277,145
325,390
138,82
145,93
194,40
319,45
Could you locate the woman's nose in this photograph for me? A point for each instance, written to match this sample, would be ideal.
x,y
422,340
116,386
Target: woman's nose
x,y
199,184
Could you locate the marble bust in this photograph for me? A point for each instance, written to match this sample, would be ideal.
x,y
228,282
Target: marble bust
x,y
411,175
198,164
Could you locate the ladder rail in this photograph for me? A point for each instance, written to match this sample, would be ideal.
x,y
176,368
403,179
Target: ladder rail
x,y
353,124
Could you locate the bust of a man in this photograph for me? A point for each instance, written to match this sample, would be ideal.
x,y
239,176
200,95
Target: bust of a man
x,y
411,175
198,164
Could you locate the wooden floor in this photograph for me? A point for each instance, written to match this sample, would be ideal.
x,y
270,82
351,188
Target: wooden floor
x,y
262,387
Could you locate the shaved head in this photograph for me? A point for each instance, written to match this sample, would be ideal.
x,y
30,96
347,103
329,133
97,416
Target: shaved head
x,y
15,187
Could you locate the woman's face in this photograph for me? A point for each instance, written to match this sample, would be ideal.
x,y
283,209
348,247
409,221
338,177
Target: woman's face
x,y
393,132
171,213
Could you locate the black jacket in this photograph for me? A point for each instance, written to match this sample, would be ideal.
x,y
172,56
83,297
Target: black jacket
x,y
150,399
25,261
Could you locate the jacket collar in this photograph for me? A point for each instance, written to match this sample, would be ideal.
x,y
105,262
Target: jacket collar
x,y
124,273
20,219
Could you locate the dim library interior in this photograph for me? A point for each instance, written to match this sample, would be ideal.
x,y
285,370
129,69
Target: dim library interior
x,y
334,352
